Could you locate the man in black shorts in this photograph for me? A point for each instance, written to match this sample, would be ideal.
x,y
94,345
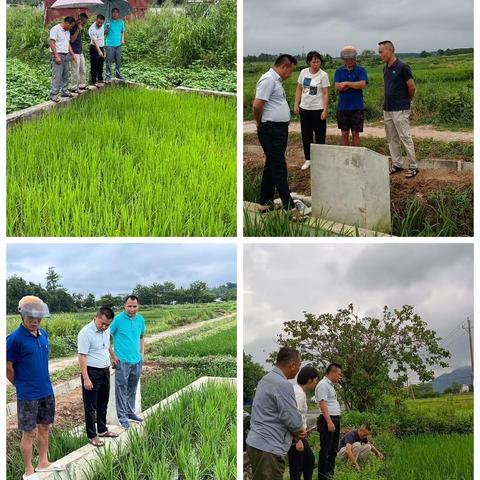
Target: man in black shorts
x,y
350,80
27,369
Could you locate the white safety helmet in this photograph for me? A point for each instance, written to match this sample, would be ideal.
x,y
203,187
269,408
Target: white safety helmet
x,y
31,306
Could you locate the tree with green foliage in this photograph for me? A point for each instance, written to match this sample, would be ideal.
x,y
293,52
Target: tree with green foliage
x,y
53,279
376,353
89,301
252,374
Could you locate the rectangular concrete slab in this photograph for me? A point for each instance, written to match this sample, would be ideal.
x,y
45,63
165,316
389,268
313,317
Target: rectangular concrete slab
x,y
351,185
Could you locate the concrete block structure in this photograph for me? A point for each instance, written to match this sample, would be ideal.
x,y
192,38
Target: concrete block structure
x,y
351,185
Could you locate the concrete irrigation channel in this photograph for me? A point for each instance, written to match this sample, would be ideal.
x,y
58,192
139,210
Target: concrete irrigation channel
x,y
81,462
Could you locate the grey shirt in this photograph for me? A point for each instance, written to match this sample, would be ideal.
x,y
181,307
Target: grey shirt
x,y
274,414
94,344
270,89
325,390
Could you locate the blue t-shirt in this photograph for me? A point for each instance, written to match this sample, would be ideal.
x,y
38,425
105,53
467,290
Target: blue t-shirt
x,y
29,355
126,333
113,36
351,99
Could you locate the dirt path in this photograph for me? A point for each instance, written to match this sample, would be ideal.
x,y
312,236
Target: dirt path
x,y
420,131
63,363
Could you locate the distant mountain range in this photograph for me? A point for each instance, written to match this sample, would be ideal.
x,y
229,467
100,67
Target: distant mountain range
x,y
459,375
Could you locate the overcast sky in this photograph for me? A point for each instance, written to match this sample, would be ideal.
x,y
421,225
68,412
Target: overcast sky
x,y
118,268
282,26
283,281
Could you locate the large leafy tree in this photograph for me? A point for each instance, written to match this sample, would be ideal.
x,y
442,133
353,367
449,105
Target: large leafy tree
x,y
376,353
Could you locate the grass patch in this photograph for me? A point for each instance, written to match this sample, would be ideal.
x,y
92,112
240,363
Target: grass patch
x,y
148,163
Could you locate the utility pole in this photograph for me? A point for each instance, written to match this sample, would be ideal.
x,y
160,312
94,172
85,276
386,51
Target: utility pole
x,y
469,330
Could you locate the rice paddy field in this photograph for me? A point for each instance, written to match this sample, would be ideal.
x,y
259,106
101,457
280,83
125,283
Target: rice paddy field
x,y
125,162
194,438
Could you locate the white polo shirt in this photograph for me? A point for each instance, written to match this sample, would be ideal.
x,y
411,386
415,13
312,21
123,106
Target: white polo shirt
x,y
325,390
61,37
270,89
95,345
96,35
301,399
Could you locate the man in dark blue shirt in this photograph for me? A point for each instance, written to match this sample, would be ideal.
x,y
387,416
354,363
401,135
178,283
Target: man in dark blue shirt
x,y
354,446
399,92
79,72
350,80
27,369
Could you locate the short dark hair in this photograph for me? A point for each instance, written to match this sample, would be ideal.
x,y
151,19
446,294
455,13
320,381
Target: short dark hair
x,y
100,17
130,297
286,355
306,374
69,20
115,9
285,58
366,426
332,366
388,43
83,15
314,54
106,311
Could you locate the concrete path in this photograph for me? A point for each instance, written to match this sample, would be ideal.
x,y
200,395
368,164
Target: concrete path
x,y
421,132
63,363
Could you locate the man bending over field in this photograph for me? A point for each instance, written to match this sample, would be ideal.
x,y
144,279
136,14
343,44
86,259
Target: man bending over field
x,y
27,369
354,446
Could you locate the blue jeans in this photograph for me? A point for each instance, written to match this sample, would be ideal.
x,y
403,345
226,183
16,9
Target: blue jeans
x,y
114,53
127,376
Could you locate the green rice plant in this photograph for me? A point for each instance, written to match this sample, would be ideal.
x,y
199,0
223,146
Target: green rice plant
x,y
170,447
146,163
221,343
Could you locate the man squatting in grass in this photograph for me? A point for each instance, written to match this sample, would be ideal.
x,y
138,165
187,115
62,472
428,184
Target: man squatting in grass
x,y
275,419
97,54
94,360
311,102
350,80
328,422
399,93
61,53
114,39
128,332
272,116
355,446
27,369
79,72
301,459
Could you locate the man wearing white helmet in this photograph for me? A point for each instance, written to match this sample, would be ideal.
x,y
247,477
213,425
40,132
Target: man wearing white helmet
x,y
27,369
350,80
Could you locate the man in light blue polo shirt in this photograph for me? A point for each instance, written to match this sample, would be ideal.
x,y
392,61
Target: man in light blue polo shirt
x,y
328,422
114,39
275,419
94,360
128,332
272,116
27,369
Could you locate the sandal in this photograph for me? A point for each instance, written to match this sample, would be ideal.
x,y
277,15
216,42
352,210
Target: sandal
x,y
394,169
108,434
96,442
412,172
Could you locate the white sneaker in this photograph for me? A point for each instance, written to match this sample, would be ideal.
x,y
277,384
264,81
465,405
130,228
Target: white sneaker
x,y
300,206
306,165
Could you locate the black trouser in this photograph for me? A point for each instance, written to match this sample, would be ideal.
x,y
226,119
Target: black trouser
x,y
95,401
301,462
328,447
311,122
96,65
273,137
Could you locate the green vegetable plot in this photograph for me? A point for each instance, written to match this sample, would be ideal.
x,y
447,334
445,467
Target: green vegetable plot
x,y
125,162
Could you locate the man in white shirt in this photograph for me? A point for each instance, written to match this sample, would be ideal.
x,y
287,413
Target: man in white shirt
x,y
328,422
96,33
61,54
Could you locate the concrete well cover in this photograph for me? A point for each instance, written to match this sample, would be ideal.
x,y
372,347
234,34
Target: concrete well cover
x,y
351,185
